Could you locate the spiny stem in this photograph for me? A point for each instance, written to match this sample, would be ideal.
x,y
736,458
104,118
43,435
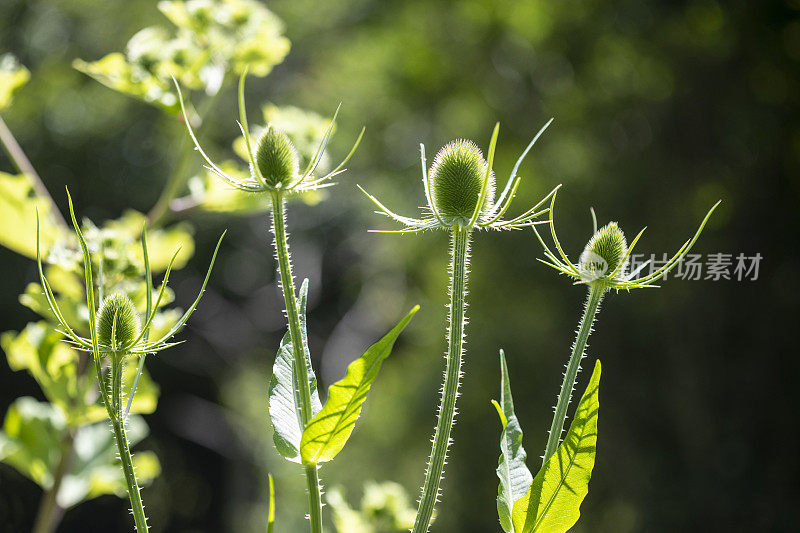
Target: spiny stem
x,y
114,409
24,166
314,497
596,293
452,377
298,350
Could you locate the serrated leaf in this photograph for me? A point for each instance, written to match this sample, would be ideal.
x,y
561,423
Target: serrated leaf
x,y
327,433
552,505
284,401
515,478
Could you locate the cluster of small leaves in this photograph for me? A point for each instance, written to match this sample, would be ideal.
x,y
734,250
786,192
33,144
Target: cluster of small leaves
x,y
385,508
34,431
209,40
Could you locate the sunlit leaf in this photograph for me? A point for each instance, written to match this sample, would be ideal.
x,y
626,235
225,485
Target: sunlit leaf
x,y
552,505
18,205
327,433
209,40
31,439
284,403
39,350
515,478
12,77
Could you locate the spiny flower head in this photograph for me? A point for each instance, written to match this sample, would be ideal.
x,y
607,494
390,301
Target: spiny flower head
x,y
118,324
115,327
460,190
604,261
457,178
276,158
274,163
605,253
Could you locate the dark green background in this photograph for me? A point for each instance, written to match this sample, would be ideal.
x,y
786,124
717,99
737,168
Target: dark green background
x,y
661,108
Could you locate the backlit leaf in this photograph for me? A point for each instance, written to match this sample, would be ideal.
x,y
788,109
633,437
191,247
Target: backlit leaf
x,y
327,433
552,505
284,402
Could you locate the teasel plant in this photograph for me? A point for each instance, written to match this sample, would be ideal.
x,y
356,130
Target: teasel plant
x,y
305,431
460,193
118,334
550,501
603,266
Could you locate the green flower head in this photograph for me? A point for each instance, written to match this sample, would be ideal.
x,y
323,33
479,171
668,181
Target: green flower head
x,y
115,327
460,190
604,261
276,159
274,163
457,178
605,253
118,323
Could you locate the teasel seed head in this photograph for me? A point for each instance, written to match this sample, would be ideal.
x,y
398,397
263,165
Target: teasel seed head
x,y
604,253
456,179
118,324
276,158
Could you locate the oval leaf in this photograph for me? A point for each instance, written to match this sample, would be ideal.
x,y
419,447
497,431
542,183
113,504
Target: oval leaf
x,y
327,433
284,396
552,505
515,478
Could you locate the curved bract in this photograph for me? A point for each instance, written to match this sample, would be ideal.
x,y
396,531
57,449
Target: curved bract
x,y
460,191
604,261
274,163
112,328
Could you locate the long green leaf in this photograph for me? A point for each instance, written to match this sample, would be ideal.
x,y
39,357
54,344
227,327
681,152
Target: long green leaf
x,y
327,433
515,478
552,505
284,398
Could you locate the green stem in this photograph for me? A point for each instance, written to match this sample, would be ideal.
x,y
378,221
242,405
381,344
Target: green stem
x,y
314,497
452,377
114,413
298,350
596,293
49,514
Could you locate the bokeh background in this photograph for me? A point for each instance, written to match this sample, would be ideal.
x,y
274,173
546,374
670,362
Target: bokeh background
x,y
660,108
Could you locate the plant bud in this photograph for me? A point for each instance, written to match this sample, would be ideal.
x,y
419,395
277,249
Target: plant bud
x,y
604,253
120,309
456,179
276,158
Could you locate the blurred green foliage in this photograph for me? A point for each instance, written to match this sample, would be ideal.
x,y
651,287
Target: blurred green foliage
x,y
660,107
210,40
12,77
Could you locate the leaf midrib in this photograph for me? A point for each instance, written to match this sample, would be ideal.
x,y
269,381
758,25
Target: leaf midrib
x,y
560,484
335,429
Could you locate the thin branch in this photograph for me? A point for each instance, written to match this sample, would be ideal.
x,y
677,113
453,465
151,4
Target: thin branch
x,y
24,166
